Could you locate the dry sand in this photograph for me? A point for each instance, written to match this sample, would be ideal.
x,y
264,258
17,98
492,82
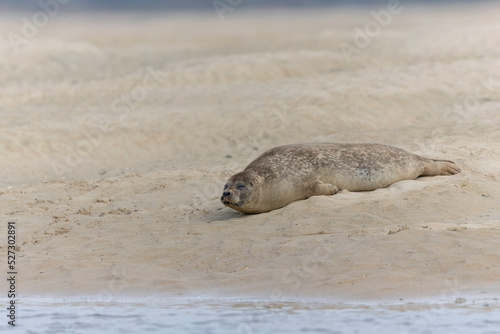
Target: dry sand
x,y
114,194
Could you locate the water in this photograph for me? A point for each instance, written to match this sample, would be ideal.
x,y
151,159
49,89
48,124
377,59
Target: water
x,y
251,316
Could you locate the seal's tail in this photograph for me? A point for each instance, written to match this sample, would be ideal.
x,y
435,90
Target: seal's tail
x,y
438,167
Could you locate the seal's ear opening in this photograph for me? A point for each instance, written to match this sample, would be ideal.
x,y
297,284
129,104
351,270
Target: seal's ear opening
x,y
251,184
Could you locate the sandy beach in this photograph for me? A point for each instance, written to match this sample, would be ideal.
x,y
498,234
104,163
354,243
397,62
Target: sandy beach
x,y
119,131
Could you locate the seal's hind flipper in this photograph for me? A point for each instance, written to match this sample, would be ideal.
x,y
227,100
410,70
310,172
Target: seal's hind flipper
x,y
434,167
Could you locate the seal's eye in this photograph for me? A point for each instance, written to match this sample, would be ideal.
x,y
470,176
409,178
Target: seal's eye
x,y
226,185
240,186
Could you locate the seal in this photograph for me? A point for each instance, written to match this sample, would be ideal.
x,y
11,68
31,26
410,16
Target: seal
x,y
288,173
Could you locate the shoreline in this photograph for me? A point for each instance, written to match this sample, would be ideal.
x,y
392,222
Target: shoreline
x,y
467,302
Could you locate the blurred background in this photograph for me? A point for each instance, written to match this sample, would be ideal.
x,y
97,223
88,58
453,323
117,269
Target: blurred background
x,y
332,71
196,4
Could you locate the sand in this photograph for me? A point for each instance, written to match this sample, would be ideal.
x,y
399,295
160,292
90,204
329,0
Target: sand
x,y
119,131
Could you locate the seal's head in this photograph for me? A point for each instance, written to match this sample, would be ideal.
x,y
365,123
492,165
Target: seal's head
x,y
241,192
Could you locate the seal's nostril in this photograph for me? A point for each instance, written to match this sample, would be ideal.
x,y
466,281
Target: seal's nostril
x,y
226,193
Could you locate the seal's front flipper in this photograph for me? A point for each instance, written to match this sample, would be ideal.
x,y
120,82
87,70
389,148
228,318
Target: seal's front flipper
x,y
324,189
